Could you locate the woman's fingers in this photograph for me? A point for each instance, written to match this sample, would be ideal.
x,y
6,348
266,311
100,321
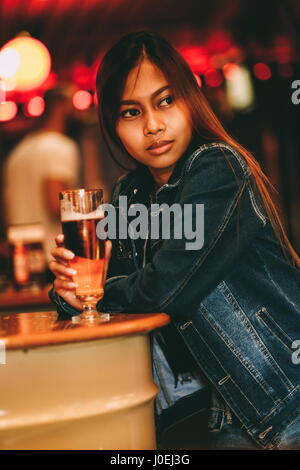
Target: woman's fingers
x,y
60,261
68,295
59,239
62,253
61,270
61,284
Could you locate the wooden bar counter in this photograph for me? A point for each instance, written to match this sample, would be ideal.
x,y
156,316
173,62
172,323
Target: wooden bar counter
x,y
27,299
66,385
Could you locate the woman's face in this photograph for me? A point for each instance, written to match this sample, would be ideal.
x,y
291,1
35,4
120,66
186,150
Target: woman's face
x,y
149,113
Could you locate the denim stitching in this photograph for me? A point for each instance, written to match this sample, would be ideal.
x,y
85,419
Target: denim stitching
x,y
273,330
193,352
285,399
254,334
223,390
277,287
255,206
250,368
245,169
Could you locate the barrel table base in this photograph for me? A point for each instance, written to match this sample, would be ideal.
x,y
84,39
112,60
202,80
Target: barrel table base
x,y
88,395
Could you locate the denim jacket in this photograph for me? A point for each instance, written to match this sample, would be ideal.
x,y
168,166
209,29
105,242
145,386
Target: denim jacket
x,y
234,304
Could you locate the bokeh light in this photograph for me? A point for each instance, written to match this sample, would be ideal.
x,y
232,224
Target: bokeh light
x,y
8,110
262,71
230,70
82,100
238,86
9,62
34,62
35,107
213,78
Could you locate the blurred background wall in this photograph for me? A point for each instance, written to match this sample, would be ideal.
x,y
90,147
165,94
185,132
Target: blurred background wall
x,y
244,53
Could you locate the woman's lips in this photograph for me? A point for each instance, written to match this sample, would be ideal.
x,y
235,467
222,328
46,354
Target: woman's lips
x,y
161,149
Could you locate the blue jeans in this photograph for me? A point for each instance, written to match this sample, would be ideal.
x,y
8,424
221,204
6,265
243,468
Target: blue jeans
x,y
233,436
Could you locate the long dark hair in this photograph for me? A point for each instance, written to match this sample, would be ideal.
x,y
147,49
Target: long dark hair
x,y
112,73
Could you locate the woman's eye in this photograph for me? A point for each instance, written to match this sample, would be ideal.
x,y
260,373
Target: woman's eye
x,y
131,110
169,98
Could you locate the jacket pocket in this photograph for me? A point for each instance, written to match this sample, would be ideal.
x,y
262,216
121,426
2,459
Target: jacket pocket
x,y
268,321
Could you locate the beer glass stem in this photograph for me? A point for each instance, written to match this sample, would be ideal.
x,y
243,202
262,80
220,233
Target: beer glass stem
x,y
91,313
89,310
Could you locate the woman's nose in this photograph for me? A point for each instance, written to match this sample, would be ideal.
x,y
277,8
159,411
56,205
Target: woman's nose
x,y
153,123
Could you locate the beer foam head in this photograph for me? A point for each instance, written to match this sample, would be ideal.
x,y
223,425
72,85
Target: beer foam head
x,y
73,216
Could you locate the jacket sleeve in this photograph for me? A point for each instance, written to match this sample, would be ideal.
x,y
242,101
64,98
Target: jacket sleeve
x,y
178,279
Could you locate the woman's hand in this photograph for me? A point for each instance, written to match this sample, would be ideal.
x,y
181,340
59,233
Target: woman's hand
x,y
64,284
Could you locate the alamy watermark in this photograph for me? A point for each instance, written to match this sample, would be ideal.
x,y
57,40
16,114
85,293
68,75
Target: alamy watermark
x,y
296,354
176,221
296,94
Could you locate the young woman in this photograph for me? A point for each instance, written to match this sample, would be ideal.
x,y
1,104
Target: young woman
x,y
234,301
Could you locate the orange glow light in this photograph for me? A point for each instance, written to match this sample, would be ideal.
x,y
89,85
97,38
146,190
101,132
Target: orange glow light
x,y
230,70
36,106
82,100
35,62
8,110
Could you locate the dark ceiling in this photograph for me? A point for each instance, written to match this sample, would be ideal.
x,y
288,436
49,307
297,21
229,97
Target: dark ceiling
x,y
83,29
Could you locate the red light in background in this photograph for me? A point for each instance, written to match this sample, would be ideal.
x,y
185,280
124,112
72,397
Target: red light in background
x,y
8,110
285,70
262,71
197,58
283,49
83,76
36,106
219,42
95,98
213,78
50,82
82,100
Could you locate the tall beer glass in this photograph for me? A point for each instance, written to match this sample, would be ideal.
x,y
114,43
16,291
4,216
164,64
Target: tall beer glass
x,y
81,210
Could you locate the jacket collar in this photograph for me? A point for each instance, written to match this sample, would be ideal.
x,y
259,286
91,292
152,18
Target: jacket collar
x,y
144,181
